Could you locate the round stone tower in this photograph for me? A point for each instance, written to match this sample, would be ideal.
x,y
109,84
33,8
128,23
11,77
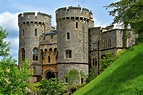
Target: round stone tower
x,y
31,26
72,27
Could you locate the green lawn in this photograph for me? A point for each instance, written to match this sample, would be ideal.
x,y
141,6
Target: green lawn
x,y
123,77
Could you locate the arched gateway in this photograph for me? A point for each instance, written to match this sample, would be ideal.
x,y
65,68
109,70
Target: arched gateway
x,y
49,74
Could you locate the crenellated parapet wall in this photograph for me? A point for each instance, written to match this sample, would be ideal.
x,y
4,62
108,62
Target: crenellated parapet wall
x,y
33,17
73,13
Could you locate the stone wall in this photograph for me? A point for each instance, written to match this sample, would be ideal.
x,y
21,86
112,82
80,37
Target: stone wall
x,y
65,68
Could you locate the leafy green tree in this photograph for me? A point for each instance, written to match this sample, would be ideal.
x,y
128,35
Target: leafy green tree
x,y
91,75
52,86
4,48
106,61
72,76
13,79
128,12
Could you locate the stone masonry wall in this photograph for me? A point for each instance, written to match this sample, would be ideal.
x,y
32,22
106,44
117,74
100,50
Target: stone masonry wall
x,y
64,68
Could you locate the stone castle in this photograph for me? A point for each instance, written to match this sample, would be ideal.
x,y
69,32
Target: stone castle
x,y
74,44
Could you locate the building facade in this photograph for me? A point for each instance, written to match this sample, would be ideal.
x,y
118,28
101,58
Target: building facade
x,y
74,44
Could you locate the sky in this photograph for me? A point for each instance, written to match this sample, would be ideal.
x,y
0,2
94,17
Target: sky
x,y
9,10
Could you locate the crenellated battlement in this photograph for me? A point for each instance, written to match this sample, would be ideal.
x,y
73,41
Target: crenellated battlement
x,y
73,13
33,18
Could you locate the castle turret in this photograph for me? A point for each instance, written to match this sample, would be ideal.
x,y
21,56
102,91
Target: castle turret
x,y
72,27
31,26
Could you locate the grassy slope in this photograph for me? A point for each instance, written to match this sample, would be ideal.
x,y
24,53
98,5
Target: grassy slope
x,y
123,77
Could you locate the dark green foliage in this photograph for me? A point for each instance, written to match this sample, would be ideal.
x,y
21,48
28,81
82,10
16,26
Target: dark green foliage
x,y
91,75
123,77
106,61
72,76
128,12
4,48
52,86
13,79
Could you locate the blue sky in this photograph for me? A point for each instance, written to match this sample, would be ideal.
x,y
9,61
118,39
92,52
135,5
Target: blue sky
x,y
9,10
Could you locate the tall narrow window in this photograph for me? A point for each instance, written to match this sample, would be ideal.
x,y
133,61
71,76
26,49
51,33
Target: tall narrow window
x,y
77,25
23,32
35,32
93,62
109,42
35,54
105,43
23,54
82,80
48,59
68,54
41,54
66,79
68,35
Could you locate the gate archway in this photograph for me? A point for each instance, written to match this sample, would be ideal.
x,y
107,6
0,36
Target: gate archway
x,y
49,74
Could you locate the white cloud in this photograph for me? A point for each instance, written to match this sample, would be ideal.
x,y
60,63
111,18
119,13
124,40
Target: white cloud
x,y
9,22
98,23
14,43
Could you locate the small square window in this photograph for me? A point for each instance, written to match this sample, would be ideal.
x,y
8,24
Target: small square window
x,y
68,54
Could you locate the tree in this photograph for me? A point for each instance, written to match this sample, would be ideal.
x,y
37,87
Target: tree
x,y
72,76
13,79
106,61
4,48
128,12
91,75
52,86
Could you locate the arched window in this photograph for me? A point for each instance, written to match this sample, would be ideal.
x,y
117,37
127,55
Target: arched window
x,y
50,74
35,54
55,49
35,32
103,56
95,62
23,54
48,59
82,80
68,35
77,25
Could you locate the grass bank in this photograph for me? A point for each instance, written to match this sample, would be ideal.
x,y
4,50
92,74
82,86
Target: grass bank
x,y
123,77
